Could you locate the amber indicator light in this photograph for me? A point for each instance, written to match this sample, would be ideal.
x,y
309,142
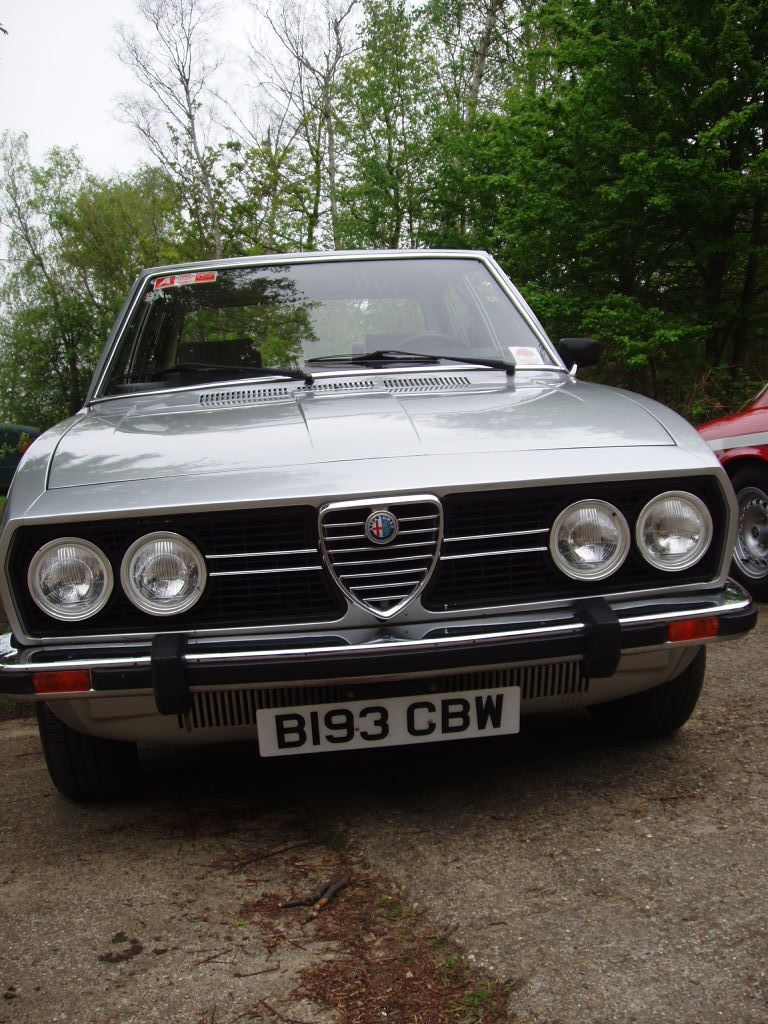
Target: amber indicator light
x,y
61,682
694,629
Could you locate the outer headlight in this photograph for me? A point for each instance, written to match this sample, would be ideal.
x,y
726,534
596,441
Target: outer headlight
x,y
70,579
589,540
163,574
674,531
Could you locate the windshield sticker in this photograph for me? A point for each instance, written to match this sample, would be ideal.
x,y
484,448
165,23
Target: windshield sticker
x,y
525,354
177,280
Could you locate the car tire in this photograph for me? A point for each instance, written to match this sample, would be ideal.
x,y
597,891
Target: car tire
x,y
85,768
657,712
750,556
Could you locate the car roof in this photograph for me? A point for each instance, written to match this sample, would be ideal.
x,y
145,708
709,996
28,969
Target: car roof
x,y
329,256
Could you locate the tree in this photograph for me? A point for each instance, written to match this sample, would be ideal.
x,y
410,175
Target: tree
x,y
628,189
74,244
386,112
175,113
48,326
304,79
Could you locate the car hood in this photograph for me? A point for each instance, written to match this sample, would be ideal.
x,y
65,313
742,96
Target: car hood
x,y
743,424
157,437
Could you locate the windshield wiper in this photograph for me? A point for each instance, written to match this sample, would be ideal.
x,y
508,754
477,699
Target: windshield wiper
x,y
235,371
385,356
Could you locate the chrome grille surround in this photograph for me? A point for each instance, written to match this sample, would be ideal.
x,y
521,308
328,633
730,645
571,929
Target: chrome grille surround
x,y
237,708
383,579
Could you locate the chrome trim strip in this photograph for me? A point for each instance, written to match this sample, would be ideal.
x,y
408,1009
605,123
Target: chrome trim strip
x,y
361,536
489,554
378,561
265,554
349,551
267,572
384,586
490,536
392,572
731,599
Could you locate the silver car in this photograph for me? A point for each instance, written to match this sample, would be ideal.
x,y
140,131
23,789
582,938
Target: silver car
x,y
350,500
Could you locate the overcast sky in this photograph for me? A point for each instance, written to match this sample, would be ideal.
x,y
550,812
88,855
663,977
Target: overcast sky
x,y
60,77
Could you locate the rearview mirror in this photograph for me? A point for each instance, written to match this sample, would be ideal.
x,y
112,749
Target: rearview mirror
x,y
582,351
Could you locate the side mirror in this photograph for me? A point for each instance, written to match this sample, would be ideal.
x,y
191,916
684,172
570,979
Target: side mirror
x,y
582,351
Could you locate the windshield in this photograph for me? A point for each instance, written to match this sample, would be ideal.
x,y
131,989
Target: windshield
x,y
240,322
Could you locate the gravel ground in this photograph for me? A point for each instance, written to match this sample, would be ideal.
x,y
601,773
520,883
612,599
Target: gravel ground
x,y
603,883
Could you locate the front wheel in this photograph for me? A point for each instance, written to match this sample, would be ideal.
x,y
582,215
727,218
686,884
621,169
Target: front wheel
x,y
657,712
82,767
750,556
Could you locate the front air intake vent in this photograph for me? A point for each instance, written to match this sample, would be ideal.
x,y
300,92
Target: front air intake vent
x,y
408,385
220,708
417,384
426,385
246,396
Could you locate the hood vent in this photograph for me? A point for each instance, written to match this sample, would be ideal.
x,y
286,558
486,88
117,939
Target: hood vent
x,y
246,396
415,385
425,385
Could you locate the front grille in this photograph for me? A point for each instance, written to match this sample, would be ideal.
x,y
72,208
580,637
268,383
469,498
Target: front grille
x,y
471,550
263,565
382,578
495,548
220,709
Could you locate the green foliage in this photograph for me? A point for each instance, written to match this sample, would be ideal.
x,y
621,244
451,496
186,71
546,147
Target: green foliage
x,y
610,153
386,102
75,243
626,192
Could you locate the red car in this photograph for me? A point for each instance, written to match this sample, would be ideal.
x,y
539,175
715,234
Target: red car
x,y
741,443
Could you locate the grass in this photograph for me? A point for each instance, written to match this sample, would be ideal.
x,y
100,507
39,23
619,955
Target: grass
x,y
15,709
477,1002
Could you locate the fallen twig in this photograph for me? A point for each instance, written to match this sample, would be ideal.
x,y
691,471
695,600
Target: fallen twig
x,y
332,891
252,974
320,897
214,957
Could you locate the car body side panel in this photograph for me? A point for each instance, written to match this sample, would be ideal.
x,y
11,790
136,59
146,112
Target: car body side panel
x,y
744,435
729,456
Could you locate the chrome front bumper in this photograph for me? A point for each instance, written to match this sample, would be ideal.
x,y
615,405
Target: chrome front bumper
x,y
174,666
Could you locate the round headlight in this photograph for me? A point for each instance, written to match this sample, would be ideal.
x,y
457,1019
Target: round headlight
x,y
674,531
589,540
163,574
70,579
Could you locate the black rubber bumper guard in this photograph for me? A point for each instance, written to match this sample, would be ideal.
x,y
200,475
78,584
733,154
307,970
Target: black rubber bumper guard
x,y
600,647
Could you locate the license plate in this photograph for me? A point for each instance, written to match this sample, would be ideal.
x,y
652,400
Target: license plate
x,y
389,722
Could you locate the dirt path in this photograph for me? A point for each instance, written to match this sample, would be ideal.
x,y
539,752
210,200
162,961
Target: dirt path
x,y
598,883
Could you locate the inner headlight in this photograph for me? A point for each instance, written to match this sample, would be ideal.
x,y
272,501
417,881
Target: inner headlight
x,y
589,540
163,574
674,531
70,579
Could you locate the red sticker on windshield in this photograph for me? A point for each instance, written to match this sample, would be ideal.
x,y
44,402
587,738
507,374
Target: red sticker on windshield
x,y
176,280
525,354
